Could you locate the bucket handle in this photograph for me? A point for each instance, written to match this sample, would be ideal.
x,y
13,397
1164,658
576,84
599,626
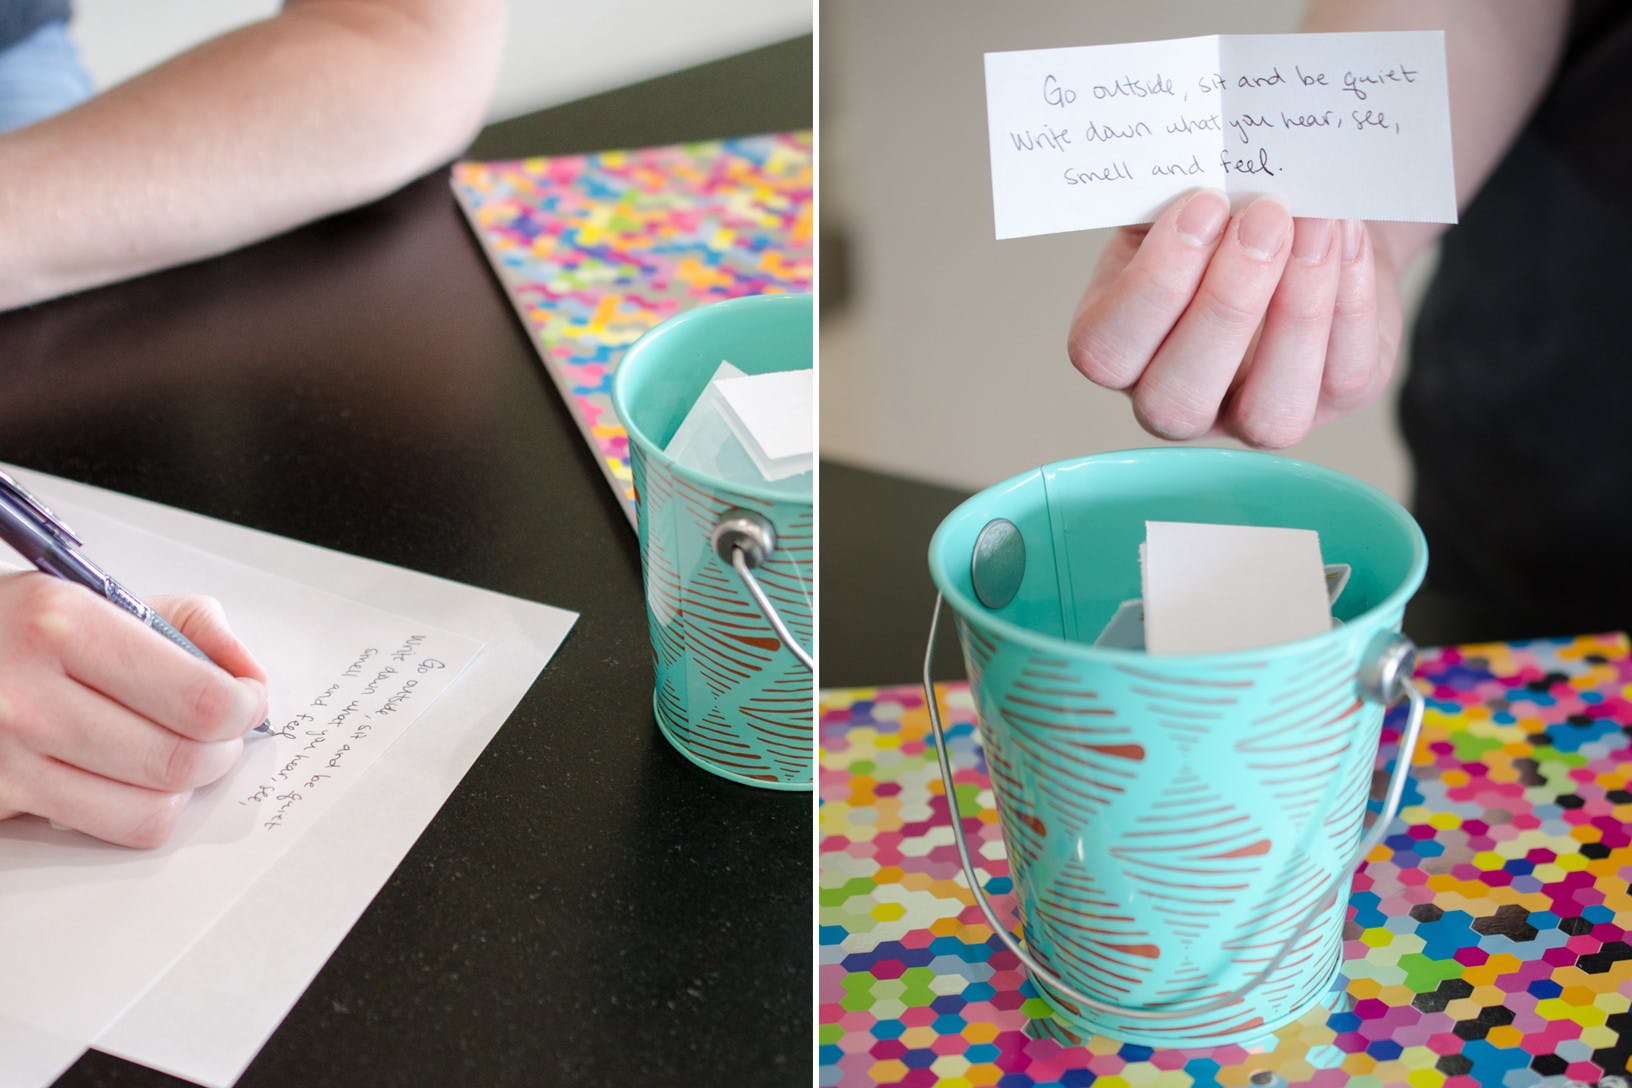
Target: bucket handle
x,y
1385,675
743,540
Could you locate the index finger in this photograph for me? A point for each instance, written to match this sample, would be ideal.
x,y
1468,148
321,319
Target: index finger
x,y
204,622
109,650
1121,322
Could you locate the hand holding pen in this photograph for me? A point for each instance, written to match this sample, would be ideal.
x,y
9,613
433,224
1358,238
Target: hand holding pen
x,y
104,725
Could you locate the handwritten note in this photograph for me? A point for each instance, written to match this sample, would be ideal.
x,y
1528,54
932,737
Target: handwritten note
x,y
346,680
205,1017
1337,125
325,738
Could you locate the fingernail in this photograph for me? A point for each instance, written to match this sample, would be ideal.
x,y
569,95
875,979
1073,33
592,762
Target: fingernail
x,y
1262,228
1311,240
1203,216
1354,237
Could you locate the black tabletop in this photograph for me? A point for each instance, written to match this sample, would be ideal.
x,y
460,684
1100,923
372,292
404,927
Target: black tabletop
x,y
588,907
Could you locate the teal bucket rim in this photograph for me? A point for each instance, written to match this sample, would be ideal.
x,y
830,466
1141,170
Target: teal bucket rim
x,y
966,608
641,348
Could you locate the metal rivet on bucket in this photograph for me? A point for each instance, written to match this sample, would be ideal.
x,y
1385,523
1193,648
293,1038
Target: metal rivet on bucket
x,y
1387,671
745,531
998,563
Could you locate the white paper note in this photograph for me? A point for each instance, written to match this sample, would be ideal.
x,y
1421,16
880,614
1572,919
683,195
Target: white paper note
x,y
695,443
1214,588
1126,628
216,862
1337,125
752,429
772,415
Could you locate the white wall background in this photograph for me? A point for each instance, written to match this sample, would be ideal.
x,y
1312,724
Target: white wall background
x,y
949,362
555,51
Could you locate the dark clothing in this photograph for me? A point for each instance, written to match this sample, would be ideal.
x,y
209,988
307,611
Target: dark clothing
x,y
1518,404
20,18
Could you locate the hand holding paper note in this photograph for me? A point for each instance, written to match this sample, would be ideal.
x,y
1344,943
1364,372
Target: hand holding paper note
x,y
1248,323
1262,330
1336,125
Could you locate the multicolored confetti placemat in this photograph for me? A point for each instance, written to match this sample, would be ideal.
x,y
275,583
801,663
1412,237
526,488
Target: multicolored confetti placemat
x,y
593,250
1487,942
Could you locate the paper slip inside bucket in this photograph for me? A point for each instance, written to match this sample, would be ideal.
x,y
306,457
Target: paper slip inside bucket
x,y
1126,629
771,415
707,441
714,438
1215,588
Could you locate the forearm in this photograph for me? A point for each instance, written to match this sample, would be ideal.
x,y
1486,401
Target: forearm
x,y
1500,56
329,104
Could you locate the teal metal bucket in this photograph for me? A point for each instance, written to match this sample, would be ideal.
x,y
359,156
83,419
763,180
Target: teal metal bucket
x,y
1181,830
727,567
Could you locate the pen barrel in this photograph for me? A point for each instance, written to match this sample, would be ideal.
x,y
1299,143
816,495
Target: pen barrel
x,y
119,595
163,627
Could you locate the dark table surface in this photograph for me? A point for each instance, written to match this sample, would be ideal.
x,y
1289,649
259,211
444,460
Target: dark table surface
x,y
588,907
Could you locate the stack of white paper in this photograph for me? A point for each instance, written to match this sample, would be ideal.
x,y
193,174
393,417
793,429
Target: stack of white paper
x,y
385,686
772,415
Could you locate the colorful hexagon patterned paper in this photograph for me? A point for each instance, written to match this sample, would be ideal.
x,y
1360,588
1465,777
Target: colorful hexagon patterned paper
x,y
1487,938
